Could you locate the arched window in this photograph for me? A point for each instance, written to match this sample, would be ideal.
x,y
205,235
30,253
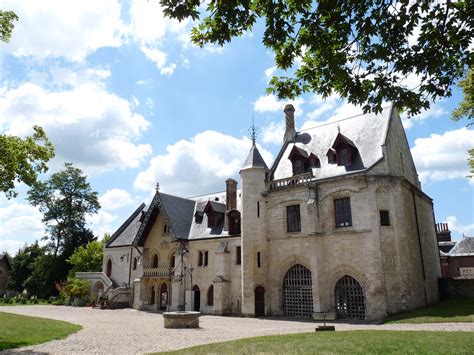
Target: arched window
x,y
109,268
210,296
155,262
152,295
172,260
135,262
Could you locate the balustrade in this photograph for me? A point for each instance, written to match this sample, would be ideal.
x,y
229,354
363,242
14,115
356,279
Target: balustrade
x,y
290,181
157,272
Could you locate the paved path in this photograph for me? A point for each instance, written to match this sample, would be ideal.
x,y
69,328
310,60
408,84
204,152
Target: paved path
x,y
127,331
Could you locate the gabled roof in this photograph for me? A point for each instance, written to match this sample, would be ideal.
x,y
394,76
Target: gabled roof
x,y
342,137
180,213
464,248
298,151
126,233
254,159
4,257
216,207
366,132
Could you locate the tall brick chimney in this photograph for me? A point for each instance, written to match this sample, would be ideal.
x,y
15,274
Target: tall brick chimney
x,y
290,133
230,194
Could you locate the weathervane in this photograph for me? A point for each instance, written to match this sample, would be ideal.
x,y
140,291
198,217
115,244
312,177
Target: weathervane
x,y
253,131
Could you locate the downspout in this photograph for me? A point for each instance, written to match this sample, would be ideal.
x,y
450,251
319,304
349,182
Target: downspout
x,y
419,245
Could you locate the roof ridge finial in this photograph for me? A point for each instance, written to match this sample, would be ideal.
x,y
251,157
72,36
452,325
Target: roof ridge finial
x,y
157,187
253,131
338,128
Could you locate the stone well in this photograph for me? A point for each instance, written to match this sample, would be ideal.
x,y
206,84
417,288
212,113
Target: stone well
x,y
181,319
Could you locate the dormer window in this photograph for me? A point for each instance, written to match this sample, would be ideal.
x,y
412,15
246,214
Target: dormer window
x,y
300,160
342,151
233,218
314,161
215,213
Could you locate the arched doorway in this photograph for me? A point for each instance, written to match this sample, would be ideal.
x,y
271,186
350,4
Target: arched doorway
x,y
298,292
152,295
109,268
350,300
259,301
163,296
197,298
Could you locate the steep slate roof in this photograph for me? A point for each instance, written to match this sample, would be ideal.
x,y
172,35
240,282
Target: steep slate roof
x,y
125,235
367,133
464,248
254,159
180,213
4,257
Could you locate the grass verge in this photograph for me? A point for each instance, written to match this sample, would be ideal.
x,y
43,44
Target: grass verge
x,y
359,341
450,311
17,330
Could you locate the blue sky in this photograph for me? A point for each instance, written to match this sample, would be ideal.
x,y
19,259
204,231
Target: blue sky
x,y
125,96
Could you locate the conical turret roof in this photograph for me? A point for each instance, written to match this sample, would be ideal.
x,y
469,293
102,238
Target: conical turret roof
x,y
254,159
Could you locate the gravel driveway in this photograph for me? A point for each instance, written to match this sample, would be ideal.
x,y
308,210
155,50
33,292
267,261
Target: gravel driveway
x,y
128,331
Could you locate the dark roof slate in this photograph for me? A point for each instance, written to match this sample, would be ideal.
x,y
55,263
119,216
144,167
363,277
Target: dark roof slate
x,y
254,159
180,213
465,246
125,235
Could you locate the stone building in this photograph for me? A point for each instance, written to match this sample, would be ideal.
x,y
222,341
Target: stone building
x,y
5,269
338,226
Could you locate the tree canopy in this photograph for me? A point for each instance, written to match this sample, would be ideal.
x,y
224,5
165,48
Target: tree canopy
x,y
21,160
65,200
88,258
7,19
365,51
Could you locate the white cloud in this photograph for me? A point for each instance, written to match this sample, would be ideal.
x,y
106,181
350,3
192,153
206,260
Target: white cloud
x,y
149,26
443,157
115,199
454,226
433,112
88,126
273,132
200,165
102,222
270,103
69,29
322,106
269,73
20,223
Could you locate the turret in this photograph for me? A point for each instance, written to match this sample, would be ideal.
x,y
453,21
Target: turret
x,y
253,236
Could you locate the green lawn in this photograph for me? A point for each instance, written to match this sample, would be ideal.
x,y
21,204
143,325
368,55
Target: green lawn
x,y
451,311
17,330
360,341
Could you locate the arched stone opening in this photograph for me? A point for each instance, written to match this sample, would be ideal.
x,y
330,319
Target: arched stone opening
x,y
163,296
197,298
349,299
152,295
298,292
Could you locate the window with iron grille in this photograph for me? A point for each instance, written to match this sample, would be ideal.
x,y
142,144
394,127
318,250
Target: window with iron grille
x,y
384,218
342,208
293,219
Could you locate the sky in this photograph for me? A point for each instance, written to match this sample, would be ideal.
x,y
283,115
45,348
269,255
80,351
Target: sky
x,y
124,95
